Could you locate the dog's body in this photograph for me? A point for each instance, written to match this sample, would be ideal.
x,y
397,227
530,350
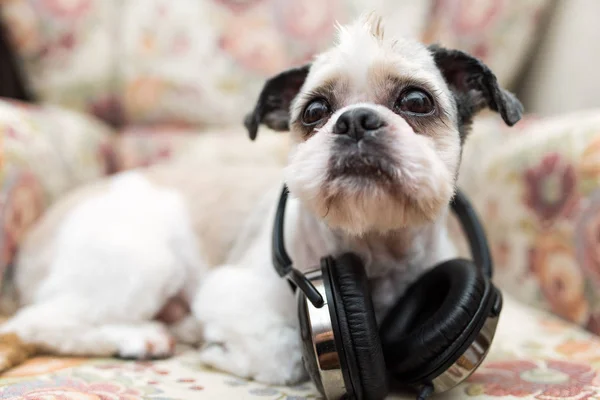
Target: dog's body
x,y
109,294
113,268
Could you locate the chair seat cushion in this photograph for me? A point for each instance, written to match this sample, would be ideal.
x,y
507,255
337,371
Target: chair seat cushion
x,y
534,356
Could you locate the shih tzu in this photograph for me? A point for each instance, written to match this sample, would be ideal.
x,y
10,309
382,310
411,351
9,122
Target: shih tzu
x,y
180,252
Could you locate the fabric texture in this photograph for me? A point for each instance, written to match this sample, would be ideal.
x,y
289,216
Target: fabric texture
x,y
536,188
202,63
162,86
568,44
501,33
534,356
67,51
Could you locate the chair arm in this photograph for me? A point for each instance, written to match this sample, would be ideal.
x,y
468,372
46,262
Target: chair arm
x,y
536,187
44,151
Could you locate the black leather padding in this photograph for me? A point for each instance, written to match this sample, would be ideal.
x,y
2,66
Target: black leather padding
x,y
358,328
431,315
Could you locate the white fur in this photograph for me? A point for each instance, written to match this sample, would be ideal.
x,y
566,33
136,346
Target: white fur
x,y
250,326
117,258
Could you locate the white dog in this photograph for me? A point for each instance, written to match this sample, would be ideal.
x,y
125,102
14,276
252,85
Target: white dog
x,y
181,252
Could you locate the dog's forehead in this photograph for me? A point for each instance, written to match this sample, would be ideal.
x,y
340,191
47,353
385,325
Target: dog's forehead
x,y
363,55
364,61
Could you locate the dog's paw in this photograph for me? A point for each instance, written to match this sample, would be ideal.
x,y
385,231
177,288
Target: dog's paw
x,y
147,341
273,358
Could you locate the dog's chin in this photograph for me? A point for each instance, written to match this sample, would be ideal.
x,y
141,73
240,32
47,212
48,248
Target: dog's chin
x,y
372,200
369,199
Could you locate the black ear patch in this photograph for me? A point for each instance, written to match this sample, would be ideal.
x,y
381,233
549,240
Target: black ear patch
x,y
475,86
273,105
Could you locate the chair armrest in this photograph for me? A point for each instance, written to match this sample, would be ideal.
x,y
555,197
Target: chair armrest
x,y
537,188
44,151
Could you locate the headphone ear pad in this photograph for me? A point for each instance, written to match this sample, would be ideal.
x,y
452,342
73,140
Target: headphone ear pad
x,y
425,324
359,333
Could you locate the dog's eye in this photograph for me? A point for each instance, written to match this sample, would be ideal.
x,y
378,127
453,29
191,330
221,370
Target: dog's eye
x,y
415,101
315,112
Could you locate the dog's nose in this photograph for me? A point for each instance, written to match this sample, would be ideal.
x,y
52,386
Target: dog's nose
x,y
357,122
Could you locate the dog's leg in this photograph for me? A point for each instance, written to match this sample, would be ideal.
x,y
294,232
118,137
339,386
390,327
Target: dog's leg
x,y
116,261
250,325
59,326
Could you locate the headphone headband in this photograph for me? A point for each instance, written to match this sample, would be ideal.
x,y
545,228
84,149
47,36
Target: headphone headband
x,y
473,229
281,259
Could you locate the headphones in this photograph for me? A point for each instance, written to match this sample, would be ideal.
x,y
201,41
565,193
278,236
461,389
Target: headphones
x,y
432,339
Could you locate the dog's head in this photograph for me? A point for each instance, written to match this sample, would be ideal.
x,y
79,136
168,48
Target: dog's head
x,y
378,125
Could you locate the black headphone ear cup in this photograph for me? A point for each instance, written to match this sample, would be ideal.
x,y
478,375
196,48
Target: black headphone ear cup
x,y
421,329
359,333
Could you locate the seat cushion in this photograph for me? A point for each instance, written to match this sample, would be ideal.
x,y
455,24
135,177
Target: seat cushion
x,y
534,356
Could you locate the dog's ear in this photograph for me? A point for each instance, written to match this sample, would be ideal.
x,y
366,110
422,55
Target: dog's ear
x,y
475,86
273,105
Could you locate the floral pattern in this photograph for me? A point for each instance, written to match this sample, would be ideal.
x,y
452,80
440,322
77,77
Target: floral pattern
x,y
550,188
44,151
537,356
199,62
547,379
534,356
542,212
71,389
181,377
580,350
561,280
587,237
66,48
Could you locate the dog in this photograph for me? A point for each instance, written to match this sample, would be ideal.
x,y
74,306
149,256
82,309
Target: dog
x,y
134,263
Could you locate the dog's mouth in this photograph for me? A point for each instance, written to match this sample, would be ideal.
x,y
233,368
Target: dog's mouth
x,y
362,161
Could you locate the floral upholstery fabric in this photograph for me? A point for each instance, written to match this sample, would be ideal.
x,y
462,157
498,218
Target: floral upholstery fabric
x,y
534,356
202,62
208,60
44,151
67,50
501,33
537,188
535,185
